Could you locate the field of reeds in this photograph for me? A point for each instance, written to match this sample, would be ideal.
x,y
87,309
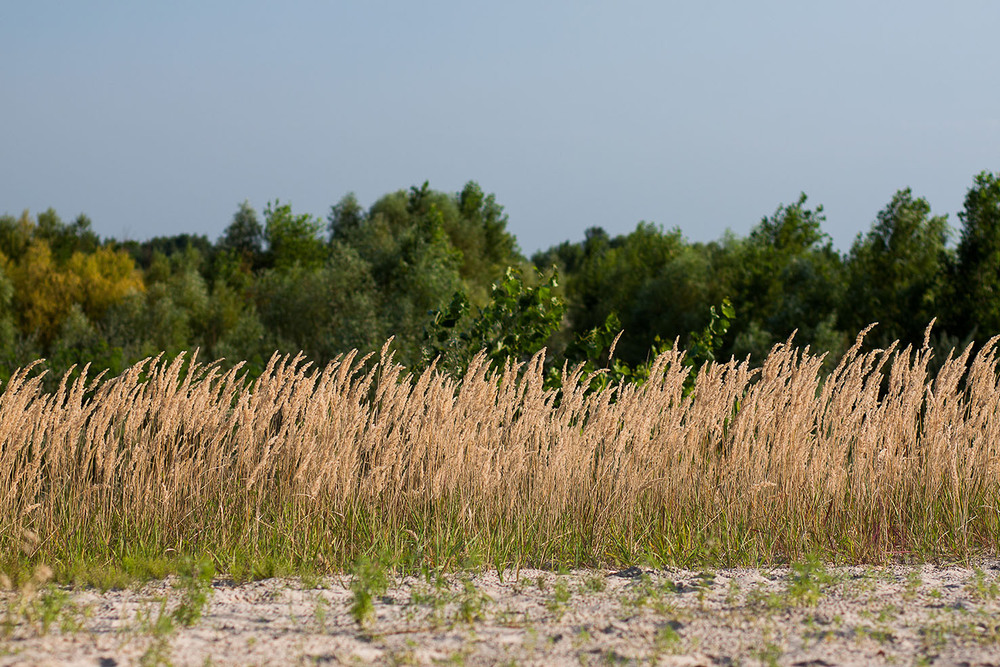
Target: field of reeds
x,y
309,468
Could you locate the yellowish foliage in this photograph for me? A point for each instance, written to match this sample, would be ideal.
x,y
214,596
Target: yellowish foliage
x,y
45,291
103,278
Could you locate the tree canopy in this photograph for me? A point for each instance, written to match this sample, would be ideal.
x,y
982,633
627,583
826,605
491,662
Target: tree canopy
x,y
442,274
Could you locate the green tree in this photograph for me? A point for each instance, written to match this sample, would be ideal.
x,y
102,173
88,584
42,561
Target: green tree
x,y
791,279
244,237
323,311
473,223
222,314
615,276
16,235
63,239
672,302
293,239
413,264
176,307
514,325
975,284
480,233
346,217
896,273
247,340
126,326
7,330
81,342
193,245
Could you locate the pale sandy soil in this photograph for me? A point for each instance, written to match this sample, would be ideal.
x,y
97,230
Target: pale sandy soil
x,y
837,616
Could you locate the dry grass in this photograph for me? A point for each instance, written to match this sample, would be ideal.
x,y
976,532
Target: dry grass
x,y
317,468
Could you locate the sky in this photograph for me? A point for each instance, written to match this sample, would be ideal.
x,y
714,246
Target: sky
x,y
160,118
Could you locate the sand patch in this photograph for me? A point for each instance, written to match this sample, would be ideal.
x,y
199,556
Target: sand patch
x,y
808,616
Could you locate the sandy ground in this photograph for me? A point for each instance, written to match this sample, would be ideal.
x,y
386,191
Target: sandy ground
x,y
809,616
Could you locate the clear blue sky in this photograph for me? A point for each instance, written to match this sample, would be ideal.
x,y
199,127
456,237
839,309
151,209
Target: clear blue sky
x,y
159,118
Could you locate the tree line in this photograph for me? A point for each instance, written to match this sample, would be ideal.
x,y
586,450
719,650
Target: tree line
x,y
441,273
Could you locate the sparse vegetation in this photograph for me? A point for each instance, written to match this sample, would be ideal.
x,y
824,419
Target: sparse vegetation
x,y
769,654
913,584
369,582
593,584
560,598
634,619
667,638
195,585
808,580
38,605
983,588
471,602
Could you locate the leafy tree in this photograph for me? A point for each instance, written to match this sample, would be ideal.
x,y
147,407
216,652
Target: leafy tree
x,y
671,302
519,320
246,341
16,235
567,257
63,239
480,233
652,281
413,265
791,279
514,325
244,237
230,269
43,294
222,313
193,245
126,326
323,311
395,269
595,348
168,324
81,342
175,312
896,273
793,229
976,281
476,229
102,278
346,217
474,226
614,276
292,239
7,330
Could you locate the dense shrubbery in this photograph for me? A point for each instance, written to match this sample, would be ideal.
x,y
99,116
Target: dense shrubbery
x,y
441,273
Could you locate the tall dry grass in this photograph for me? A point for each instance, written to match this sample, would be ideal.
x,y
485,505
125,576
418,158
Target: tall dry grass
x,y
878,460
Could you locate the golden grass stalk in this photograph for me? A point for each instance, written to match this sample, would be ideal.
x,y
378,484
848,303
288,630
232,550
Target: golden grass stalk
x,y
878,460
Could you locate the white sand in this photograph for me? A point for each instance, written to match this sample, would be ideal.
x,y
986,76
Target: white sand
x,y
843,616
